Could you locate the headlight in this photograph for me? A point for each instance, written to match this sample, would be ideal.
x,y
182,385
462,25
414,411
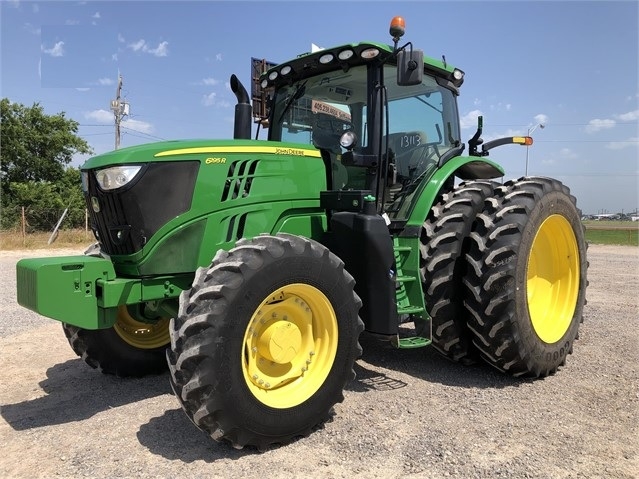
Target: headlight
x,y
348,140
116,176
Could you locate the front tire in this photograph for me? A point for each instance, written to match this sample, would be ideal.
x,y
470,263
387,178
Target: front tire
x,y
265,341
130,348
527,281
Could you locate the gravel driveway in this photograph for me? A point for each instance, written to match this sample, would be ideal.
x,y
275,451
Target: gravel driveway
x,y
408,413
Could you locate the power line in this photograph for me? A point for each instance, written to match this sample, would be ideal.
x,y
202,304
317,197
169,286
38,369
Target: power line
x,y
586,141
143,133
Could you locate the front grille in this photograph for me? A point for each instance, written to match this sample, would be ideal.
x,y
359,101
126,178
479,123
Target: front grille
x,y
128,217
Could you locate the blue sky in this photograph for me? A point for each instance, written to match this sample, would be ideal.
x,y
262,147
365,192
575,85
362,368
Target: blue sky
x,y
572,66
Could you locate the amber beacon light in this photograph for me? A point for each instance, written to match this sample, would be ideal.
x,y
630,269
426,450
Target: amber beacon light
x,y
397,28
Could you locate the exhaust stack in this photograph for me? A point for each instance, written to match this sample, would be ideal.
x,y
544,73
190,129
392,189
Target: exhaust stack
x,y
243,111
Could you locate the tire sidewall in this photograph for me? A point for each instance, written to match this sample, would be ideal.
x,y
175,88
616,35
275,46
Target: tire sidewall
x,y
545,354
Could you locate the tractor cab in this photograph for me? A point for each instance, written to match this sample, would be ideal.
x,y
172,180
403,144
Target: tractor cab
x,y
380,127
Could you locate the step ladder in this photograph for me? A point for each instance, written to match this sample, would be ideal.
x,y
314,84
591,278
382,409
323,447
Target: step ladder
x,y
409,295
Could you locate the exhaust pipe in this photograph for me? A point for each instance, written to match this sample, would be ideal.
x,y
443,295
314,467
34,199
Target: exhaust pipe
x,y
243,111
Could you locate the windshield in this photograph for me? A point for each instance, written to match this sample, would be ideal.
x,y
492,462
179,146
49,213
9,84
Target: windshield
x,y
420,126
318,110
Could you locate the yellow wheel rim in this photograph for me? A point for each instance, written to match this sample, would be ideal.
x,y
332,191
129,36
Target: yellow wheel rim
x,y
553,279
141,335
289,346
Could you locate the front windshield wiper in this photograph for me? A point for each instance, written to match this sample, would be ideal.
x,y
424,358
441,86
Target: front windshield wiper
x,y
297,94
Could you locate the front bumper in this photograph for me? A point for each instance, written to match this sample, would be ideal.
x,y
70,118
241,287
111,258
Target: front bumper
x,y
84,291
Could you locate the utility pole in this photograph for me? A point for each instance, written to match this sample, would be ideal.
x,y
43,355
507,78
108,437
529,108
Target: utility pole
x,y
120,109
530,130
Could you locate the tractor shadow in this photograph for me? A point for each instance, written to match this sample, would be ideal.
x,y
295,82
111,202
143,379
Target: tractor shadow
x,y
75,392
174,437
422,363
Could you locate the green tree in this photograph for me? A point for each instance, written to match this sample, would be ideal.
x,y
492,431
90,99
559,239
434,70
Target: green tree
x,y
35,151
35,146
44,202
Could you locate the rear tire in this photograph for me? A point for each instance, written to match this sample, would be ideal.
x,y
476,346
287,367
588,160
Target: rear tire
x,y
527,281
129,349
444,244
265,341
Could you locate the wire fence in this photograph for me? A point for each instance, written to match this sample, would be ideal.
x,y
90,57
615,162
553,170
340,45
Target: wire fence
x,y
31,220
36,227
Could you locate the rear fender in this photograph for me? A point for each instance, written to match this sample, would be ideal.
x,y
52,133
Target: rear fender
x,y
464,167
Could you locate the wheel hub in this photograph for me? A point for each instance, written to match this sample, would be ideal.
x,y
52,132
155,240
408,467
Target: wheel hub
x,y
290,345
280,342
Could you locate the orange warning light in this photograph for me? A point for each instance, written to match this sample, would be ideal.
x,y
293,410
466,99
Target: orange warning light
x,y
397,27
523,140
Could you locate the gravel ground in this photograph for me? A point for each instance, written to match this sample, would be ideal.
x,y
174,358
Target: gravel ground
x,y
408,413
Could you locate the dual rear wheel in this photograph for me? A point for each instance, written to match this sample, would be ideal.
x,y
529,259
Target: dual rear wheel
x,y
512,292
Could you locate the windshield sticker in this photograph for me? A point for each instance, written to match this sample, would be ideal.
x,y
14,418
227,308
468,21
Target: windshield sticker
x,y
321,107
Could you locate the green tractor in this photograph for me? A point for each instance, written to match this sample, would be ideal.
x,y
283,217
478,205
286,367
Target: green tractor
x,y
251,267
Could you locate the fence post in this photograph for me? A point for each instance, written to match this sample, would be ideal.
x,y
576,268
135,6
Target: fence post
x,y
86,223
24,229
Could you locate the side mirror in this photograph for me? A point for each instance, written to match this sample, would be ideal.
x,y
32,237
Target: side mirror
x,y
410,67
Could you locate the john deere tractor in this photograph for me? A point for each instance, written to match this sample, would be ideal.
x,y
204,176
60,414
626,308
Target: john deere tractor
x,y
250,267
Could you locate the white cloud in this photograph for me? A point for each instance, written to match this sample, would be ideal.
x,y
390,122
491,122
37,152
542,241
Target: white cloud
x,y
137,46
105,81
120,38
137,125
500,106
620,145
541,118
469,120
114,57
96,15
630,116
209,100
210,82
218,57
83,89
567,154
106,117
56,50
160,51
476,102
72,22
597,125
32,29
100,116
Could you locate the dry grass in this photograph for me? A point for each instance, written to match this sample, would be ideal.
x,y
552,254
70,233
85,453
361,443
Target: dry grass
x,y
13,240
